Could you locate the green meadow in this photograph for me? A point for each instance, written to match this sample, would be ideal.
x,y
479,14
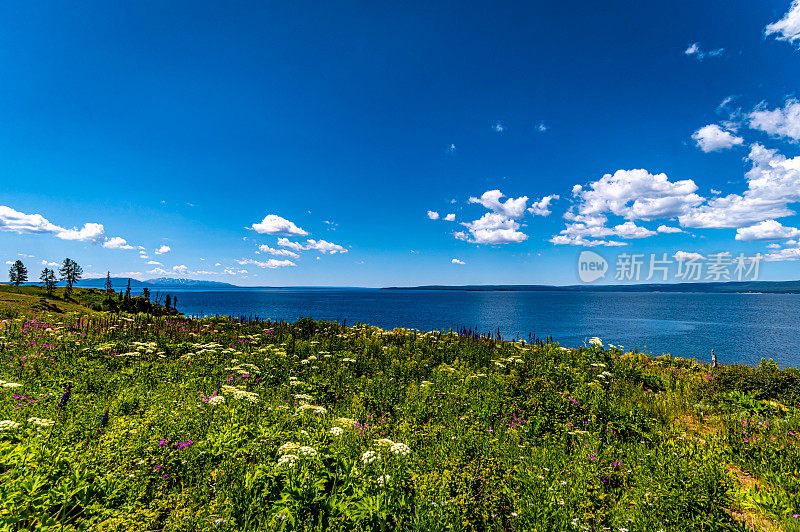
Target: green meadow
x,y
130,422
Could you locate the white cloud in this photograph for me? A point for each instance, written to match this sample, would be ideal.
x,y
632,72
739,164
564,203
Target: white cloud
x,y
778,122
667,229
270,264
787,28
272,224
715,191
9,262
154,263
577,240
163,249
783,254
631,230
182,269
694,50
323,246
541,127
450,217
286,243
772,183
637,195
511,208
766,230
19,222
492,228
278,252
50,264
433,215
773,246
687,255
456,261
542,207
713,138
498,127
117,243
158,271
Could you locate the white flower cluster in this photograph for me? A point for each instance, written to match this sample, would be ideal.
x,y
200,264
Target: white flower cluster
x,y
251,397
287,460
307,450
319,410
288,447
40,422
337,431
369,457
595,341
346,421
7,424
6,384
382,480
304,398
400,449
216,400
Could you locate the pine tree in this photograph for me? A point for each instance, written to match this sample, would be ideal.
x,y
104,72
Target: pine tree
x,y
128,290
109,286
146,293
70,273
167,302
48,280
18,274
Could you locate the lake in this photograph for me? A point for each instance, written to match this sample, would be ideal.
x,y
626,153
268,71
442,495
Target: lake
x,y
741,328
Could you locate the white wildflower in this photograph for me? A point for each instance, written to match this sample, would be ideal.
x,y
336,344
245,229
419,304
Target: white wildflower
x,y
400,449
337,431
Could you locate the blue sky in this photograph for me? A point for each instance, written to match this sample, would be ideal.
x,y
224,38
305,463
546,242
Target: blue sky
x,y
327,132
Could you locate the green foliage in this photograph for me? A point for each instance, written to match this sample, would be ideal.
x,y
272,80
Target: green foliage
x,y
218,424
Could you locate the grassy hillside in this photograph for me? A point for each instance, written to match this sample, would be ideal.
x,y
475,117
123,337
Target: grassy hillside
x,y
34,298
137,423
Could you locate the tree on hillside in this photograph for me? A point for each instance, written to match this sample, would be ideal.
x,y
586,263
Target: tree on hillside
x,y
167,302
18,273
48,280
146,293
109,286
128,290
70,273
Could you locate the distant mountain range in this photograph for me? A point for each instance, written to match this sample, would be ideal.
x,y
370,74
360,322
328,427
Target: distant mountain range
x,y
161,282
734,287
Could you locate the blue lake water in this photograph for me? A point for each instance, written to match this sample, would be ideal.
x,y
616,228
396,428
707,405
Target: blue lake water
x,y
741,328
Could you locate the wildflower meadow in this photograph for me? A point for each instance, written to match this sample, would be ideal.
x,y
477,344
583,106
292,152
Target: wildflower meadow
x,y
130,422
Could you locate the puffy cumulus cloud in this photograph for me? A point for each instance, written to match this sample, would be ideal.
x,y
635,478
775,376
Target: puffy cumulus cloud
x,y
322,246
433,215
286,243
767,230
153,263
492,228
542,207
269,264
456,261
591,231
631,230
50,264
684,256
181,269
162,249
278,252
783,254
325,247
18,222
668,229
778,122
450,217
694,50
511,208
772,183
578,240
637,195
117,243
787,28
272,224
713,138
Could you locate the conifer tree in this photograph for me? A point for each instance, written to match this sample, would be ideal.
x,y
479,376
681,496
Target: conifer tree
x,y
48,280
18,274
109,286
70,273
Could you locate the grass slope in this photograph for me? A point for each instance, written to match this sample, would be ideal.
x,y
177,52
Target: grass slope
x,y
176,424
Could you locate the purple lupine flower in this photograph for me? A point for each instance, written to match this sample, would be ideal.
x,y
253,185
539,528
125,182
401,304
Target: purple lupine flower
x,y
104,419
65,398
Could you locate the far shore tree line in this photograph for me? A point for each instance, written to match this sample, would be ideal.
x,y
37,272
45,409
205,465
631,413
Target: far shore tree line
x,y
70,272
